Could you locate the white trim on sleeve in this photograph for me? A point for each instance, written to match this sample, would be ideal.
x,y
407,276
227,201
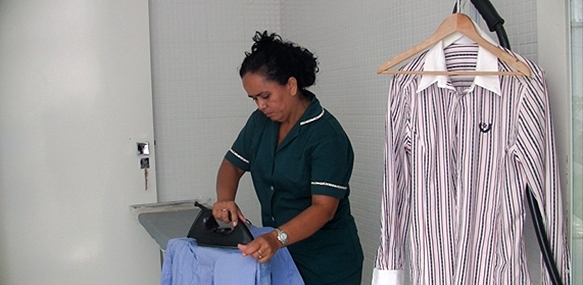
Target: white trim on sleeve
x,y
329,185
239,156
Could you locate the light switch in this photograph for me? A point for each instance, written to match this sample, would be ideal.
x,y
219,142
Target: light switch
x,y
143,148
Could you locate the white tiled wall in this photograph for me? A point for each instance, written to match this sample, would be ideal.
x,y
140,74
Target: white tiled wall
x,y
199,104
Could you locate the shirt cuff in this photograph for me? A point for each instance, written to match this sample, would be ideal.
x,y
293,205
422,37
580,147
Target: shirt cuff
x,y
387,277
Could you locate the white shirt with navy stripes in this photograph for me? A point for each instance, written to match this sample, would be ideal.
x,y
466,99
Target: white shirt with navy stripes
x,y
459,155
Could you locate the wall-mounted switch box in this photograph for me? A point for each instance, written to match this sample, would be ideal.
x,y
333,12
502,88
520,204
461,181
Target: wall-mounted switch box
x,y
143,148
144,162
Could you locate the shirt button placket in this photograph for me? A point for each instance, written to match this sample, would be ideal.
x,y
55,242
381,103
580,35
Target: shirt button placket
x,y
272,190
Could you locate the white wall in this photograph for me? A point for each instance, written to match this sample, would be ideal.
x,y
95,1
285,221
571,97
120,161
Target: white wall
x,y
199,103
553,28
75,97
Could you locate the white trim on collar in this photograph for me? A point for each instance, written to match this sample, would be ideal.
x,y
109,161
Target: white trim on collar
x,y
487,61
435,61
312,119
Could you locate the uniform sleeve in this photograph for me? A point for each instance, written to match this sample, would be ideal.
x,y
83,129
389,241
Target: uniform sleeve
x,y
331,166
395,193
535,152
240,152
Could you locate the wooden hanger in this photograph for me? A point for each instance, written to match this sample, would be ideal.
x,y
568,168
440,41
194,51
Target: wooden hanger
x,y
457,22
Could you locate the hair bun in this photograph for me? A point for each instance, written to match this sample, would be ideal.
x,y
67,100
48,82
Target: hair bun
x,y
263,40
278,60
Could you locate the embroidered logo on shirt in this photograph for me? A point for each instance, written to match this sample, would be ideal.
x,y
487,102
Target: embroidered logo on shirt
x,y
484,127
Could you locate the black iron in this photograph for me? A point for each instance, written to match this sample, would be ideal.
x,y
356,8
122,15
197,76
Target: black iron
x,y
207,231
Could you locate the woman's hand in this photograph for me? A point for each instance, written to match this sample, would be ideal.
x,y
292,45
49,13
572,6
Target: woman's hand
x,y
227,212
262,248
225,209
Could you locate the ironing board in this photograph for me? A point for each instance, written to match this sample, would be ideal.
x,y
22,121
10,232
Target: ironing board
x,y
166,221
168,224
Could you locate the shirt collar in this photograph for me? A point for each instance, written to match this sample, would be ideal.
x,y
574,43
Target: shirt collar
x,y
313,113
435,60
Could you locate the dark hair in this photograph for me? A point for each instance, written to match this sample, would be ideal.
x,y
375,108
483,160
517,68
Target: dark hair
x,y
279,60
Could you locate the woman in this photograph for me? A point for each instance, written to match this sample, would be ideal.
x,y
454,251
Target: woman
x,y
300,161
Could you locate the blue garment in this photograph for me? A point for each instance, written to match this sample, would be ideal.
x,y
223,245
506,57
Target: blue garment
x,y
186,263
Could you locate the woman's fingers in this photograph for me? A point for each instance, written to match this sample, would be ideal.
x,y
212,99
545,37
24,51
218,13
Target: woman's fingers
x,y
260,249
222,210
227,211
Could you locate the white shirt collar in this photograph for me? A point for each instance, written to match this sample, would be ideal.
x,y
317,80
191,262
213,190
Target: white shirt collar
x,y
435,61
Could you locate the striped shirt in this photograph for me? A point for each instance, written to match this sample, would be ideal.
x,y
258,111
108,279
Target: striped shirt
x,y
459,155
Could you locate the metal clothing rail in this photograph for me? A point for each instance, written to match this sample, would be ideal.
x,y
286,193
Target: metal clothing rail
x,y
496,24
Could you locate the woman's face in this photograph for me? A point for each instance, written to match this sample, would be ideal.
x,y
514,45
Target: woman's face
x,y
274,100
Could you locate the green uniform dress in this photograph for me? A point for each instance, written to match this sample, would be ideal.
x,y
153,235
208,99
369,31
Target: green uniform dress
x,y
315,158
